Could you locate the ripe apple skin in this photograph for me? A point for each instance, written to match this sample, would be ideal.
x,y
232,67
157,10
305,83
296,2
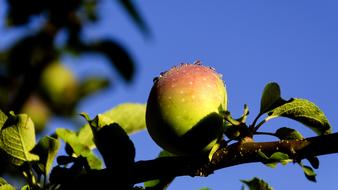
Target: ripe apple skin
x,y
183,107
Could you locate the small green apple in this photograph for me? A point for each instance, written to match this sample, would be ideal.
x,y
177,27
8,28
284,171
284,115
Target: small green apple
x,y
38,111
183,108
59,84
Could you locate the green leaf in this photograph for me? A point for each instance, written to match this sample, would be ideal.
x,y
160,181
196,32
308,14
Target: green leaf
x,y
271,97
309,173
257,184
3,118
4,185
130,116
71,138
92,84
314,161
274,159
151,183
25,187
117,55
17,139
116,148
305,112
286,133
47,149
131,9
81,143
85,136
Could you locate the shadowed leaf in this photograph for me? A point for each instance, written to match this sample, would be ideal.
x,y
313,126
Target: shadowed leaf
x,y
118,55
47,148
271,97
135,15
314,161
256,184
286,133
113,143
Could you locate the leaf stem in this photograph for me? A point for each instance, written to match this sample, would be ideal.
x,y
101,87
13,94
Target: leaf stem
x,y
260,124
265,133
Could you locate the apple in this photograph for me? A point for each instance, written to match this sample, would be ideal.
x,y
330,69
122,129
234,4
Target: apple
x,y
183,109
38,111
60,85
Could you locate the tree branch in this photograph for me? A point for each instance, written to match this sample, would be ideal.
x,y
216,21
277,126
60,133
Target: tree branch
x,y
234,154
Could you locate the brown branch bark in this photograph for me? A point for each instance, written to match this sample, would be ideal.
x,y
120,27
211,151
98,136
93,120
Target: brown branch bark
x,y
234,154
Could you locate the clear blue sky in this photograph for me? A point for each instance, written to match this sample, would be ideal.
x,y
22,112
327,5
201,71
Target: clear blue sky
x,y
294,43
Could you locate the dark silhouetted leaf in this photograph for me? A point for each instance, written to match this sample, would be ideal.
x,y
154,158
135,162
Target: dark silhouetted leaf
x,y
305,112
134,14
47,148
314,161
257,184
20,12
17,138
112,141
271,97
286,133
118,56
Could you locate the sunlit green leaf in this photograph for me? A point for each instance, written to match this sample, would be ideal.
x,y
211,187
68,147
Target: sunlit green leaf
x,y
4,185
25,187
257,184
17,138
305,112
271,97
130,116
71,138
81,143
47,148
286,133
85,136
274,159
3,118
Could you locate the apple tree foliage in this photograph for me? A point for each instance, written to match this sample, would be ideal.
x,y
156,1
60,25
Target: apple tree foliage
x,y
100,154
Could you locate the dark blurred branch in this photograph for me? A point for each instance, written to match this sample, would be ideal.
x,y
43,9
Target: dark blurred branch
x,y
234,154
